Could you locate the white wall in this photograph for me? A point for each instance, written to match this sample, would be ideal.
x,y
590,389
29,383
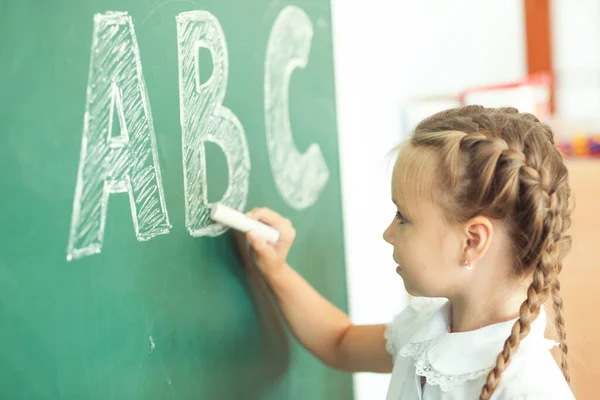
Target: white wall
x,y
387,51
576,58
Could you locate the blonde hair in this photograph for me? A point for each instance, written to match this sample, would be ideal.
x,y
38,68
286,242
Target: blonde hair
x,y
504,165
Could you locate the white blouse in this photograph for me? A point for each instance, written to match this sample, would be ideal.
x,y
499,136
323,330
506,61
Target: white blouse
x,y
456,365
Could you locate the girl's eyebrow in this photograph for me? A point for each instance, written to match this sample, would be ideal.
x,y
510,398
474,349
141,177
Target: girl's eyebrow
x,y
397,205
401,209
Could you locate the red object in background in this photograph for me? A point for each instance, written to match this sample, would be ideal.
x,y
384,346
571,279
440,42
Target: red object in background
x,y
538,34
565,148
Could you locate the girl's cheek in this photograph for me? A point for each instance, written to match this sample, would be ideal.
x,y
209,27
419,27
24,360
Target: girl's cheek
x,y
401,235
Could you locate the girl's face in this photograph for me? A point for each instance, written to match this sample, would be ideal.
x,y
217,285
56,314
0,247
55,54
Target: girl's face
x,y
428,250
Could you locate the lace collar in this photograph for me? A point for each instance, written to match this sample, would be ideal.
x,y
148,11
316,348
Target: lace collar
x,y
448,359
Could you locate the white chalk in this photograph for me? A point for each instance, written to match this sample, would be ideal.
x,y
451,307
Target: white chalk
x,y
237,220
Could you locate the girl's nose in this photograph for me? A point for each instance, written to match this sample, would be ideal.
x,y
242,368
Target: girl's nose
x,y
388,234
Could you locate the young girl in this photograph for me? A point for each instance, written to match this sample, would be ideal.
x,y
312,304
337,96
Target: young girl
x,y
482,201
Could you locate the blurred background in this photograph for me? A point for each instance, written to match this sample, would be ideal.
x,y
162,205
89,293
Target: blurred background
x,y
399,61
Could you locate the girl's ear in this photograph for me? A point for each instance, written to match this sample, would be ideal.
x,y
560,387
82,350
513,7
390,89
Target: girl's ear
x,y
478,233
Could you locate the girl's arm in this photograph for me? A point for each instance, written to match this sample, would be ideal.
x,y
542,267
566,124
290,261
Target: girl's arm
x,y
319,326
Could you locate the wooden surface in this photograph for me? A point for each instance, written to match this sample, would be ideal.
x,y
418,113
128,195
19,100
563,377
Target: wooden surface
x,y
580,280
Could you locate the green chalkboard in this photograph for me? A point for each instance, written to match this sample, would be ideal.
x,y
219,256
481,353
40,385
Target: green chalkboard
x,y
120,122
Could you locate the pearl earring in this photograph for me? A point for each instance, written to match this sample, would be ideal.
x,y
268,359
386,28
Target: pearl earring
x,y
468,266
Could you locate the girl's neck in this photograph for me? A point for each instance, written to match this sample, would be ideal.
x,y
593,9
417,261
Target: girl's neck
x,y
475,310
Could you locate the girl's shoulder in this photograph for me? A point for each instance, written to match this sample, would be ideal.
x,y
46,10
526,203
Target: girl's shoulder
x,y
420,336
533,374
423,318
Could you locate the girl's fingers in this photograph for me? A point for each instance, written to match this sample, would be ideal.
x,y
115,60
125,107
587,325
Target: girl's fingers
x,y
259,244
270,218
282,225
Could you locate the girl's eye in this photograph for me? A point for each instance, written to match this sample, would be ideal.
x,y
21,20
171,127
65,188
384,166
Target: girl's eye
x,y
401,218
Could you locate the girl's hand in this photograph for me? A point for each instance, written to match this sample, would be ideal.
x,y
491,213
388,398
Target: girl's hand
x,y
271,258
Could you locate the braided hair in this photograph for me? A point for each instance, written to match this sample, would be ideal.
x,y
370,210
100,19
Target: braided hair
x,y
504,165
